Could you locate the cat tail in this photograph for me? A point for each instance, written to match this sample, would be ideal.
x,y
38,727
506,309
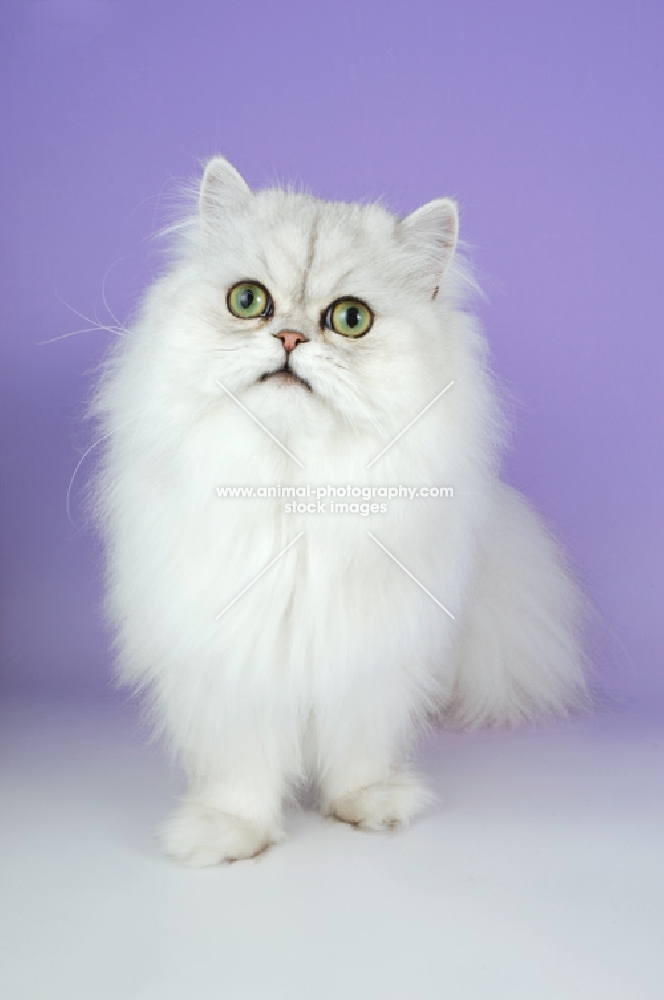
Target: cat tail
x,y
520,656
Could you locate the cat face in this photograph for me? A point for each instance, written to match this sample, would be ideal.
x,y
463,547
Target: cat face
x,y
311,304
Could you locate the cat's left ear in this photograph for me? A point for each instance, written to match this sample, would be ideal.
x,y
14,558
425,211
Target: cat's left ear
x,y
222,186
430,234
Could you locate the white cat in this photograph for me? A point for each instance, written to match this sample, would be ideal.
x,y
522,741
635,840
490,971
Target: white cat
x,y
291,342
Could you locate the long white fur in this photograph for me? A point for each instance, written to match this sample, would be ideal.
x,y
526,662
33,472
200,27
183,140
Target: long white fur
x,y
329,665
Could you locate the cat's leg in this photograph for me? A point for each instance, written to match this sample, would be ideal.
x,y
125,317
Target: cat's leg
x,y
363,775
224,819
233,807
388,801
519,655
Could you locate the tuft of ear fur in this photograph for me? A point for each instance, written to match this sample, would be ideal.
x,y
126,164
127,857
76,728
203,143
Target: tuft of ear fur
x,y
430,236
221,186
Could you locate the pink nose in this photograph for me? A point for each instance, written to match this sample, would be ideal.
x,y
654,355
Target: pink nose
x,y
290,339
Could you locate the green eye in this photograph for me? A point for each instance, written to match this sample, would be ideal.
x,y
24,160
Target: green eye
x,y
249,300
349,317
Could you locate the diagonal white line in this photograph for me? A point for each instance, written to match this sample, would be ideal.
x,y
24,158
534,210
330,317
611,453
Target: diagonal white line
x,y
266,568
421,413
256,420
408,573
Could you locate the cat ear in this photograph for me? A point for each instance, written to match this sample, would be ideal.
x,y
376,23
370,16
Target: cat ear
x,y
222,185
430,234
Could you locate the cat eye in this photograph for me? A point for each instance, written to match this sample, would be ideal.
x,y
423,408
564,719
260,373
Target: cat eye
x,y
349,317
250,300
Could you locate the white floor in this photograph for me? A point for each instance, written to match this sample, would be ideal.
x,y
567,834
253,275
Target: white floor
x,y
540,876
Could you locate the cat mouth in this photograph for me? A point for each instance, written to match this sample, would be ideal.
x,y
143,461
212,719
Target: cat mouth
x,y
285,376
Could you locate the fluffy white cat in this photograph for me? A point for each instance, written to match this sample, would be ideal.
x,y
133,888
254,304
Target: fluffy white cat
x,y
291,342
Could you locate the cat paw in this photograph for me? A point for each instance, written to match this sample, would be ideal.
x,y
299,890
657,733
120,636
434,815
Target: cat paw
x,y
385,805
200,836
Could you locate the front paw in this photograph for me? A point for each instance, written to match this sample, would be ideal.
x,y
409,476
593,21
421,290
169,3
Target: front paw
x,y
386,805
199,836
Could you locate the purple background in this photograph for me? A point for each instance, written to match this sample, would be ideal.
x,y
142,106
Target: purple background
x,y
544,119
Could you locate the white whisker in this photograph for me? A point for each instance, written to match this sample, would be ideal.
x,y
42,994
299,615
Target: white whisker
x,y
119,325
75,333
95,325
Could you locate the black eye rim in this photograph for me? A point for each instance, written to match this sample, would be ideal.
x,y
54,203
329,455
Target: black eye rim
x,y
267,313
326,316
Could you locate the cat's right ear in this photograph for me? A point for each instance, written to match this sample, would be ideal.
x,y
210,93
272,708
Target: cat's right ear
x,y
221,187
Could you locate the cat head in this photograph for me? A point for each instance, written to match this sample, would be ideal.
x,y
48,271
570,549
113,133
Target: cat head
x,y
307,306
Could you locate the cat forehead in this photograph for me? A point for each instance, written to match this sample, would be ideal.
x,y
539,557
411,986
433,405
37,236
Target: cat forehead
x,y
304,239
295,214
